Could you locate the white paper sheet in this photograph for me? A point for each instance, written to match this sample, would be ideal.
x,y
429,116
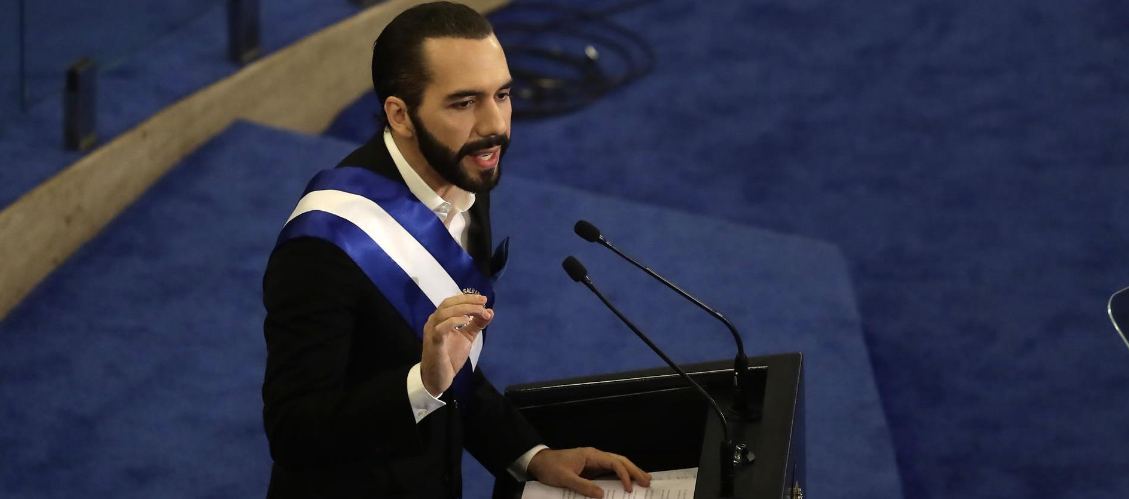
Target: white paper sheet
x,y
673,484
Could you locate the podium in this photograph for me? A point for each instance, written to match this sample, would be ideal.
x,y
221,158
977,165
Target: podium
x,y
657,420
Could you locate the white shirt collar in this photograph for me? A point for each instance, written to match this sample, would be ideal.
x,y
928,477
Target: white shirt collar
x,y
463,199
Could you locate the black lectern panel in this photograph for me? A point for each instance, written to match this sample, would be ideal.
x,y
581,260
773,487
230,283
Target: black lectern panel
x,y
626,424
654,419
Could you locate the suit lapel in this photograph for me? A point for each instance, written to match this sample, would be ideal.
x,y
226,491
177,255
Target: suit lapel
x,y
478,244
373,155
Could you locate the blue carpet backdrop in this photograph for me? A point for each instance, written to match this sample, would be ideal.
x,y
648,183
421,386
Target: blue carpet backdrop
x,y
968,157
963,162
134,370
141,24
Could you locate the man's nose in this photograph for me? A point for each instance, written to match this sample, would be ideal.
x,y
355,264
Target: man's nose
x,y
491,120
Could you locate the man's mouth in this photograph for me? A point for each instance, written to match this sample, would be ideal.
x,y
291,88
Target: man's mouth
x,y
486,158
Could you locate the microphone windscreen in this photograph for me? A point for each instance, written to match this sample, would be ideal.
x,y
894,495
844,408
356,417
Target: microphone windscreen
x,y
587,231
574,268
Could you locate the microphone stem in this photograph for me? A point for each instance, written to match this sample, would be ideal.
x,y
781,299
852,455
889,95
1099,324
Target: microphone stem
x,y
724,423
644,268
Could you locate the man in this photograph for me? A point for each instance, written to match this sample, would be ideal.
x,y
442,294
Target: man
x,y
379,289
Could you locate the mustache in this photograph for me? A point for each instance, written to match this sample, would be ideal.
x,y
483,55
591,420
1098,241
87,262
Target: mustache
x,y
483,143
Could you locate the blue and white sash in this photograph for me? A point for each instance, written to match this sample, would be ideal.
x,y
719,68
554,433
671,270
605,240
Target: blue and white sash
x,y
397,241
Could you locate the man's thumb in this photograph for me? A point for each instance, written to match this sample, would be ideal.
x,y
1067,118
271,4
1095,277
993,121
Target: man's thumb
x,y
484,321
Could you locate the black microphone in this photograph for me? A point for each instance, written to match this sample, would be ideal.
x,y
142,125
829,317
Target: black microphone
x,y
732,454
741,378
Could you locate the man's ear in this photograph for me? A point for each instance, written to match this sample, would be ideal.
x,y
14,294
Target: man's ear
x,y
396,112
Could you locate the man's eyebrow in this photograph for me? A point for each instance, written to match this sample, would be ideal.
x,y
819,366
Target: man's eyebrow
x,y
460,94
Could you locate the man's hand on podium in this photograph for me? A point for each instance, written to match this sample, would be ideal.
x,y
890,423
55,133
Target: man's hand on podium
x,y
567,468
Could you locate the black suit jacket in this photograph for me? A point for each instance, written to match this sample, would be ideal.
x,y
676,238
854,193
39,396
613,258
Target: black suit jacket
x,y
336,408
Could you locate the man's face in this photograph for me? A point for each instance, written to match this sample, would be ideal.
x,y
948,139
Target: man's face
x,y
462,123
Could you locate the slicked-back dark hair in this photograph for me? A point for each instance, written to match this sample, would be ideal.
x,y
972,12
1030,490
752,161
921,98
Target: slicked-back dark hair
x,y
398,66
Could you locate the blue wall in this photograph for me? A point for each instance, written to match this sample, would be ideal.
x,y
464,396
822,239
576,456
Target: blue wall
x,y
9,61
57,35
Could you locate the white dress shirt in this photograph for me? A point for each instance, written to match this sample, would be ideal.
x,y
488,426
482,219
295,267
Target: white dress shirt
x,y
453,213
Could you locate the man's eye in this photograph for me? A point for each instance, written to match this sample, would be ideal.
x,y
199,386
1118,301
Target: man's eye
x,y
463,104
504,95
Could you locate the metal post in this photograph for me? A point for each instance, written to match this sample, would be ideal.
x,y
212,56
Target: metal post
x,y
243,30
79,123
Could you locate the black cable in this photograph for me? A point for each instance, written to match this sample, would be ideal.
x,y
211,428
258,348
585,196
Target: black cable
x,y
550,81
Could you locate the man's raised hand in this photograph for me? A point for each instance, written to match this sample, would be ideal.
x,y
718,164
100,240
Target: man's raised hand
x,y
448,336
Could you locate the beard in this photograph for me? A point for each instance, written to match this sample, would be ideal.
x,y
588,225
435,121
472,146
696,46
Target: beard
x,y
448,163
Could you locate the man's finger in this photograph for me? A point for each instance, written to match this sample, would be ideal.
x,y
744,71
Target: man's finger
x,y
583,486
459,325
621,471
453,325
613,462
641,477
461,299
445,313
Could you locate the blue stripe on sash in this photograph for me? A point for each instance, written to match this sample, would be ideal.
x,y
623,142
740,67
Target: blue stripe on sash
x,y
403,293
396,199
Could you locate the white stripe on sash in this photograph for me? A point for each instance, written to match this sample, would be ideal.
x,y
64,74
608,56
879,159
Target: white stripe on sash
x,y
396,242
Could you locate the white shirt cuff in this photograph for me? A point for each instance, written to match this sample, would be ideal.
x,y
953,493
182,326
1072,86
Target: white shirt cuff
x,y
422,401
519,468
